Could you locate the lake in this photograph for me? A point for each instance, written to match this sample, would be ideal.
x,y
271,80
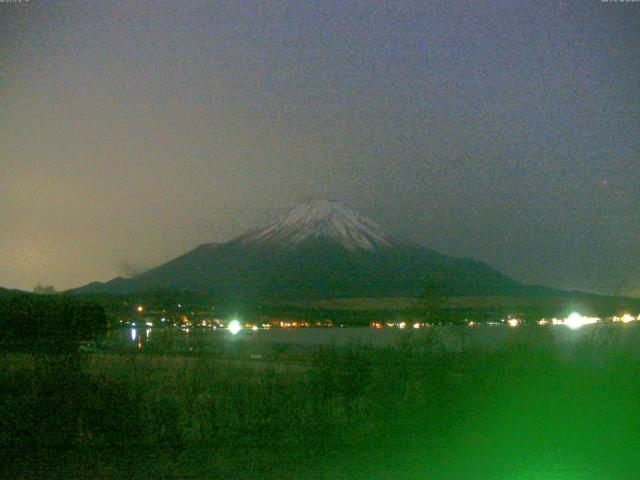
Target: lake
x,y
439,338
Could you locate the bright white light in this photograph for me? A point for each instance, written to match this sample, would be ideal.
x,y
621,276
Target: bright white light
x,y
416,325
513,322
149,324
134,334
254,328
140,308
234,327
575,321
402,325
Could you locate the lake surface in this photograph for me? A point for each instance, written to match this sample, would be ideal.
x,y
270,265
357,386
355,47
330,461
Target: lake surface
x,y
439,338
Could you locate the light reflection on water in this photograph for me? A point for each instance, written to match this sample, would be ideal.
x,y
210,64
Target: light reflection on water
x,y
447,338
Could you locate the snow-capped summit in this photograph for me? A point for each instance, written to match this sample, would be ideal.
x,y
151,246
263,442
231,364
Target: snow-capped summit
x,y
320,249
323,220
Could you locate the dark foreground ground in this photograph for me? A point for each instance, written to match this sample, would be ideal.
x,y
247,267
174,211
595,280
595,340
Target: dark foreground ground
x,y
532,411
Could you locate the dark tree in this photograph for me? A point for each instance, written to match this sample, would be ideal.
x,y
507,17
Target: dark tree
x,y
51,322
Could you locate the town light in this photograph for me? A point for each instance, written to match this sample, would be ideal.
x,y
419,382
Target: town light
x,y
575,321
626,318
234,327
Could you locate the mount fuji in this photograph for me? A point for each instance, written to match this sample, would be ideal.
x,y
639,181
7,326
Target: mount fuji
x,y
322,221
320,249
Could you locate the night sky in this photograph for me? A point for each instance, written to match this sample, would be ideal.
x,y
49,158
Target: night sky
x,y
509,132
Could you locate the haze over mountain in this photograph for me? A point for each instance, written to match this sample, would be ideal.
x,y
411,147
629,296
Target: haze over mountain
x,y
320,249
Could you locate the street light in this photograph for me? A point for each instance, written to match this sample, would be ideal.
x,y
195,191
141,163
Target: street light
x,y
234,327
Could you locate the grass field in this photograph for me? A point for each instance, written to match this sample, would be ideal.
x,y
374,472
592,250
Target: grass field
x,y
533,411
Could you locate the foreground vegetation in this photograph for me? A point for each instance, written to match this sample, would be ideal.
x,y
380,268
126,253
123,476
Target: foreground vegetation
x,y
528,411
48,323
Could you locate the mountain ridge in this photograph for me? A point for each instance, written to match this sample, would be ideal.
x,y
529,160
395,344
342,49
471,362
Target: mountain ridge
x,y
319,249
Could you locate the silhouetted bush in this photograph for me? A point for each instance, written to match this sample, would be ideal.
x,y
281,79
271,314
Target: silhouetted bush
x,y
48,322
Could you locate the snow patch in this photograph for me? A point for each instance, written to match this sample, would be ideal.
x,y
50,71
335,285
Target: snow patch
x,y
323,219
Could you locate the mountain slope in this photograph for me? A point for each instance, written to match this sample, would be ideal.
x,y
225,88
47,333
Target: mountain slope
x,y
320,249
